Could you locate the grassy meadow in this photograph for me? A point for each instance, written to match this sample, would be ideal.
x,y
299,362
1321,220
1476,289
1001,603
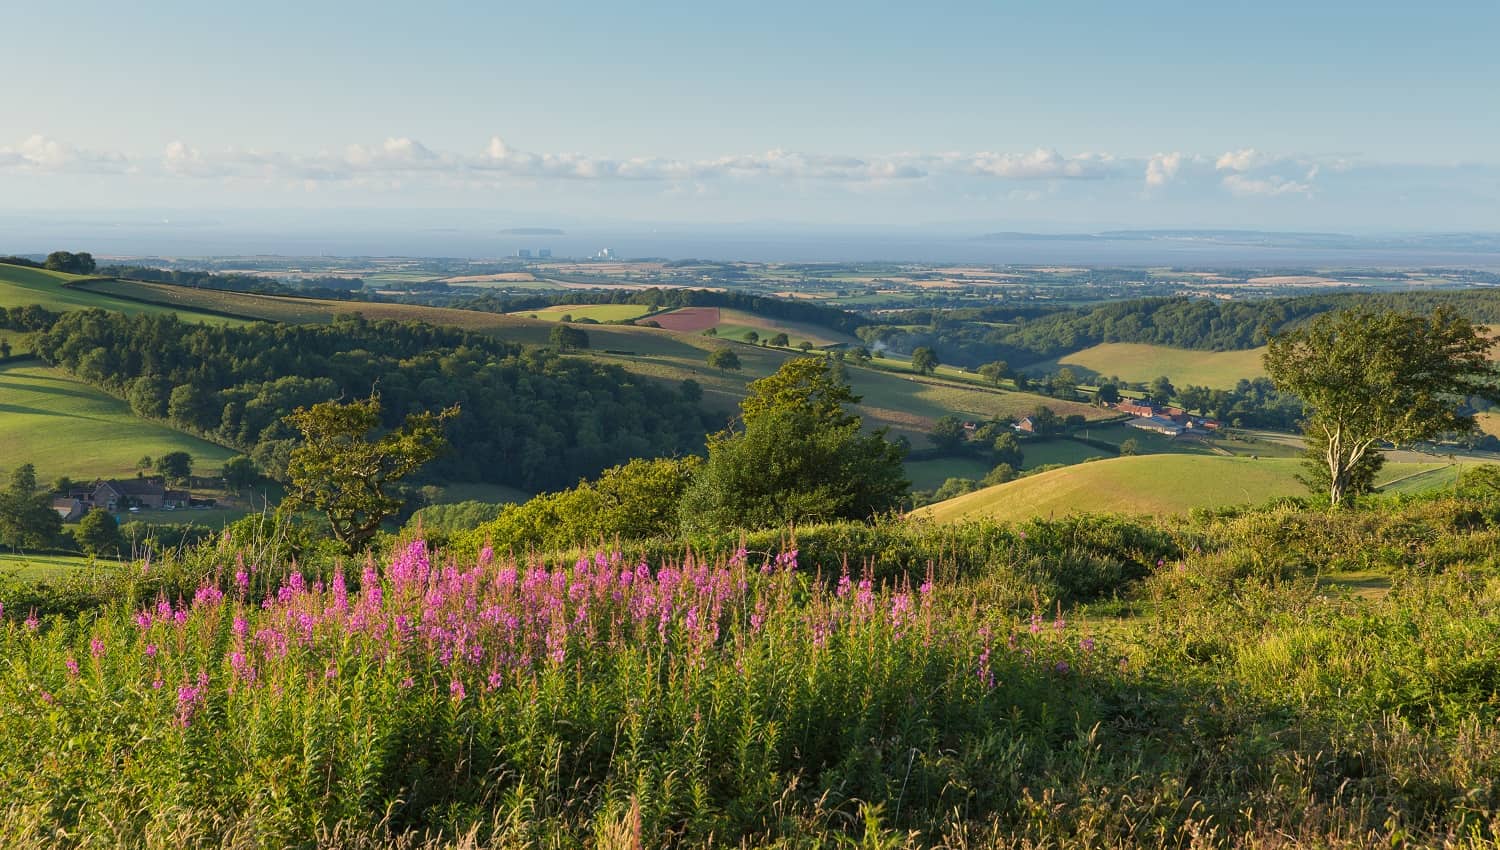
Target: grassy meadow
x,y
597,312
21,286
1136,362
66,427
1156,484
1277,677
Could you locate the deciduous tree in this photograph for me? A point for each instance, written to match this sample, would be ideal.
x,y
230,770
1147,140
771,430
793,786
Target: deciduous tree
x,y
1367,377
343,472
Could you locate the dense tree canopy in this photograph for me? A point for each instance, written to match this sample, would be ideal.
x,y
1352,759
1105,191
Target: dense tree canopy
x,y
534,420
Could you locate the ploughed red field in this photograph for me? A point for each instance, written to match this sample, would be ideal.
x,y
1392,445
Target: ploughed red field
x,y
688,319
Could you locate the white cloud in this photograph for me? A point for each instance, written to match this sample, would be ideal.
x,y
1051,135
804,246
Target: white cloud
x,y
44,155
1163,168
1241,160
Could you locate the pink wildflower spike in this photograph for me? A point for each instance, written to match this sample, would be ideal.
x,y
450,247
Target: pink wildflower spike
x,y
31,622
456,690
151,650
72,665
96,647
1087,644
48,698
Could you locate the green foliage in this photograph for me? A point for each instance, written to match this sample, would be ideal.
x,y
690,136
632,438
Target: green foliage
x,y
780,340
995,371
565,337
1002,473
344,474
175,466
1130,446
27,520
98,534
1107,393
924,360
239,473
948,433
69,262
955,487
1368,377
724,359
637,500
800,457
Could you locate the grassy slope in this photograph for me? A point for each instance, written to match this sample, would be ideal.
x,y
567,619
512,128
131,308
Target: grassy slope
x,y
597,312
1136,362
21,286
1154,484
66,427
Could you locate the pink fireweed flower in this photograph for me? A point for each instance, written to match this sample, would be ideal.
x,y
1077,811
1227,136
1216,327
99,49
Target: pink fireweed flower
x,y
486,555
456,690
156,683
407,683
143,620
1036,623
494,680
189,700
96,647
900,611
241,626
207,595
1062,667
1087,644
48,698
242,581
844,585
72,665
31,622
151,650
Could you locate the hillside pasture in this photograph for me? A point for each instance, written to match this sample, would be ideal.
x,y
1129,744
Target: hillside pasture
x,y
21,286
1139,363
66,427
597,312
1153,484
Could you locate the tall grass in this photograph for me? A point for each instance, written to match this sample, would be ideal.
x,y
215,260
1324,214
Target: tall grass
x,y
779,699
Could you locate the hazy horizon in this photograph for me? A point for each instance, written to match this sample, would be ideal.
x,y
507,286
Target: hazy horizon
x,y
1335,116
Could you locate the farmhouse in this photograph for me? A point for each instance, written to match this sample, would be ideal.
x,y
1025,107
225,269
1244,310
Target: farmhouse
x,y
1026,425
117,494
70,508
1143,409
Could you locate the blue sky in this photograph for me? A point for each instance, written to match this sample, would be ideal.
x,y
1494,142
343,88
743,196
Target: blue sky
x,y
1021,115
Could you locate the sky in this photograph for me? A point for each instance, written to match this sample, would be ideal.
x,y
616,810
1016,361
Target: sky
x,y
1055,116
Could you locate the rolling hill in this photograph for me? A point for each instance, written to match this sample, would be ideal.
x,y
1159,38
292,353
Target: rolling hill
x,y
21,286
1136,362
1155,484
907,404
66,427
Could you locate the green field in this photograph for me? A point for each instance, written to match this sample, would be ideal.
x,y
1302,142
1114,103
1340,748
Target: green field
x,y
1154,484
21,286
1139,363
66,427
930,474
597,312
41,567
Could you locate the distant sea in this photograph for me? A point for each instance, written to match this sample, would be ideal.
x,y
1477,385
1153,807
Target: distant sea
x,y
479,236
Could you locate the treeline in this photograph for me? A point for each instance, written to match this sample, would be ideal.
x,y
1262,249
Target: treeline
x,y
807,312
533,419
962,338
235,282
31,317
